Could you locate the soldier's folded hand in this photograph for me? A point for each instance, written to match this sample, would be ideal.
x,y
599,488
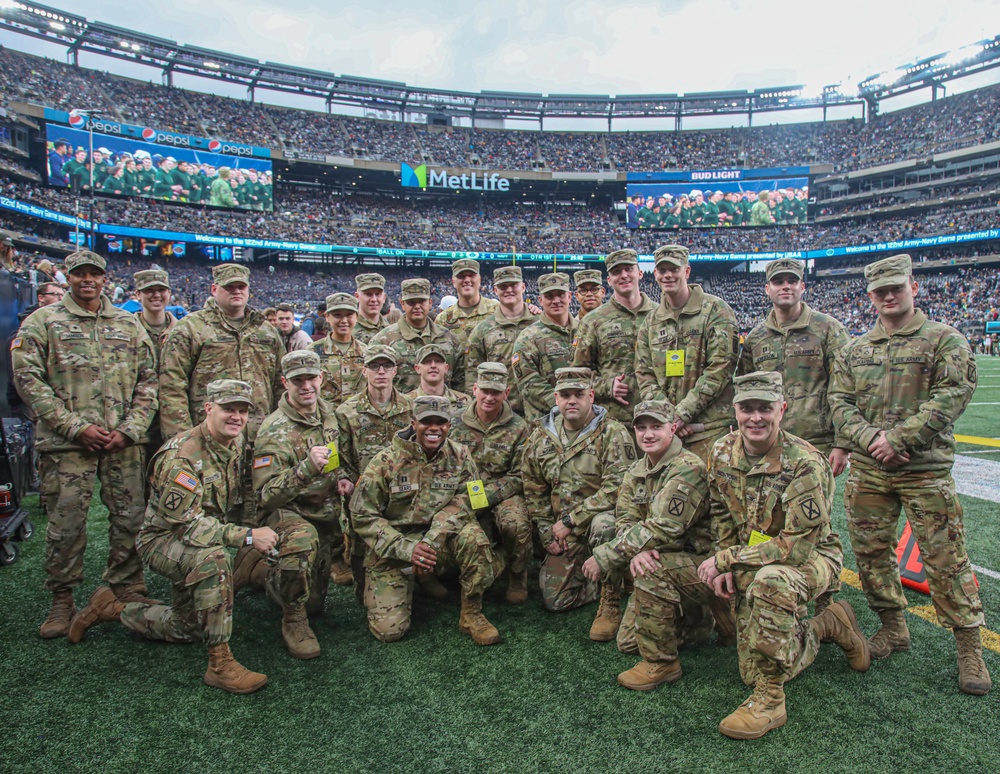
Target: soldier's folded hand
x,y
117,441
619,389
645,562
264,539
345,486
94,438
423,558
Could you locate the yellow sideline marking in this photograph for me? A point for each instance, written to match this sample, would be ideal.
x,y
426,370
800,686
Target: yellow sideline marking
x,y
977,440
991,639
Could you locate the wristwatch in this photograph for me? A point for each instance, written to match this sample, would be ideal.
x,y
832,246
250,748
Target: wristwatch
x,y
248,540
567,521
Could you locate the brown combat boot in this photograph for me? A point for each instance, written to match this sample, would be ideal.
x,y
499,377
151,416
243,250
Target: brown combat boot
x,y
892,637
249,568
517,588
609,614
646,675
838,624
133,592
340,572
973,676
225,672
103,606
58,620
432,587
763,711
299,637
474,623
725,621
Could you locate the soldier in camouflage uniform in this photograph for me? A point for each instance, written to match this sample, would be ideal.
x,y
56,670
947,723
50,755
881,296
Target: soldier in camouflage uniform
x,y
299,483
432,366
771,495
663,534
686,353
896,394
153,287
492,340
590,291
371,298
411,507
544,346
472,308
340,352
195,482
605,340
87,372
572,469
495,436
414,331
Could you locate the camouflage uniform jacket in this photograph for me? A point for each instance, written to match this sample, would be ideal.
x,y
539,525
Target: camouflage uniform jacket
x,y
492,341
461,321
205,346
342,369
496,449
459,401
283,474
365,331
804,354
75,368
364,432
663,507
787,496
914,384
605,343
194,483
406,340
705,330
539,350
157,336
581,478
403,498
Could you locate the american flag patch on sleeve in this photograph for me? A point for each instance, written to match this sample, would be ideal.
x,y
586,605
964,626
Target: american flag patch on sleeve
x,y
515,359
262,462
16,343
186,480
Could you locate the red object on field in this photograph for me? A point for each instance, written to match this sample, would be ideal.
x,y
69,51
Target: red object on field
x,y
911,565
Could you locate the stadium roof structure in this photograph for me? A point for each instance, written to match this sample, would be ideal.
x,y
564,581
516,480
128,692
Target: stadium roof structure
x,y
78,34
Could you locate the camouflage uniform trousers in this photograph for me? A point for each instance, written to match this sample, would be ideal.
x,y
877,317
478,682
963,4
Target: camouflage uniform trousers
x,y
201,606
873,501
389,583
772,635
671,608
561,578
306,549
508,520
67,486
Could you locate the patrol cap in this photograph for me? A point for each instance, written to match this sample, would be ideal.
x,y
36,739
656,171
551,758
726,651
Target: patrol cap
x,y
223,391
85,258
555,281
491,376
785,266
619,257
464,264
344,301
300,362
369,281
660,410
230,273
415,290
430,349
151,278
507,274
588,277
760,385
427,406
7,242
380,352
573,378
677,255
895,270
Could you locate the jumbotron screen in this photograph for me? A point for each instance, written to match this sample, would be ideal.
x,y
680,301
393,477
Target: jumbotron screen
x,y
129,167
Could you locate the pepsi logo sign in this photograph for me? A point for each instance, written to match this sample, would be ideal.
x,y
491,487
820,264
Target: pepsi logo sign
x,y
77,121
148,134
214,145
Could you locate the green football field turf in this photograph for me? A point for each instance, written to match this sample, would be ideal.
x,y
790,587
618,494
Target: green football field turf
x,y
545,699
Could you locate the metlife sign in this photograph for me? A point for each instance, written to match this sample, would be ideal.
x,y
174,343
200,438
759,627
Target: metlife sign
x,y
425,177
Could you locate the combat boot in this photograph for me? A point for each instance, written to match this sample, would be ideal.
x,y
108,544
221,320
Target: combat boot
x,y
838,624
249,568
340,572
133,592
973,676
225,672
892,637
609,614
299,637
103,606
646,675
763,711
58,620
432,587
517,588
474,623
725,621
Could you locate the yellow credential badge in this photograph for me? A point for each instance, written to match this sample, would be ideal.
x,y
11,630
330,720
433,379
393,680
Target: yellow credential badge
x,y
477,495
675,362
334,462
756,538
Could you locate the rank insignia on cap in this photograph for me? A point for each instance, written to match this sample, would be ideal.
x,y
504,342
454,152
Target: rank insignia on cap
x,y
262,462
186,480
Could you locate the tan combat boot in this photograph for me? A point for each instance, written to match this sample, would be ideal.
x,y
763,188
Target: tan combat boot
x,y
609,614
763,711
973,676
432,587
474,623
838,624
225,672
517,588
299,637
58,620
725,621
103,606
646,675
249,569
340,572
133,592
892,637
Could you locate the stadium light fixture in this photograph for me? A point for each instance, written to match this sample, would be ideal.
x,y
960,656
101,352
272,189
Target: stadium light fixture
x,y
960,55
58,26
213,65
7,5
